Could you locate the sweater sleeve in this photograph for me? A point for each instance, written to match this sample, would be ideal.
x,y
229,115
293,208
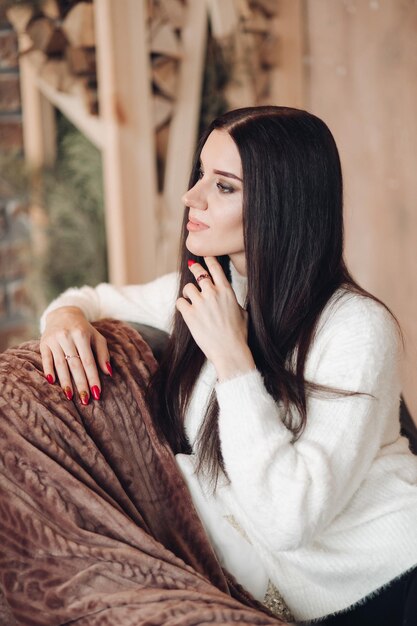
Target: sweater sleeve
x,y
284,491
152,303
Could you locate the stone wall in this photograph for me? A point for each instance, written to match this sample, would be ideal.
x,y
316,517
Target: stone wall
x,y
14,223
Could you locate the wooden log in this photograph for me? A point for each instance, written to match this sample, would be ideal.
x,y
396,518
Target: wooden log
x,y
269,50
262,85
85,90
269,7
244,9
161,146
164,41
89,95
56,9
51,9
162,111
19,16
154,11
81,60
46,36
36,58
165,76
250,45
239,91
79,25
256,23
161,140
56,73
174,11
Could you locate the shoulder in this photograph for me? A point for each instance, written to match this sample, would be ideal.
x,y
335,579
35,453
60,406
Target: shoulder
x,y
355,334
350,313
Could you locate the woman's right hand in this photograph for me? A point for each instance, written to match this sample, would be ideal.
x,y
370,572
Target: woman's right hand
x,y
69,334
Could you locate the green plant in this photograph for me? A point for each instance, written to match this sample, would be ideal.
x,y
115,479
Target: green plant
x,y
73,199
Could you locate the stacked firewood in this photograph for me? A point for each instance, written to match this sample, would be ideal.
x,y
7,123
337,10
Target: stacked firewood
x,y
166,19
61,44
62,48
253,49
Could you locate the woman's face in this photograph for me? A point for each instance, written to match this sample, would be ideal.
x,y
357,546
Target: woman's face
x,y
215,224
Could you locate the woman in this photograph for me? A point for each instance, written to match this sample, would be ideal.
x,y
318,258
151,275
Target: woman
x,y
279,390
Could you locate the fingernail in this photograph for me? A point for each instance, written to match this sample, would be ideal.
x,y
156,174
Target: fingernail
x,y
96,392
84,397
50,379
68,393
191,262
109,368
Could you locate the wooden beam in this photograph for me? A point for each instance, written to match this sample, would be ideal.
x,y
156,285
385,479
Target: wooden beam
x,y
287,77
39,139
183,131
224,17
72,106
39,126
129,162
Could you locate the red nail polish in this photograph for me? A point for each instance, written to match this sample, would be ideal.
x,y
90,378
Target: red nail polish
x,y
84,397
191,262
50,379
109,368
96,392
68,393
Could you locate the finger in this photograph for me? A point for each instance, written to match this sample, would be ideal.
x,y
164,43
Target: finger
x,y
73,365
191,292
88,365
216,271
47,363
183,306
201,275
102,353
61,368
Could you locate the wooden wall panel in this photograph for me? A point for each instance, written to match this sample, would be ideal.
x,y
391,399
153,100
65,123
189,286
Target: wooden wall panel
x,y
361,70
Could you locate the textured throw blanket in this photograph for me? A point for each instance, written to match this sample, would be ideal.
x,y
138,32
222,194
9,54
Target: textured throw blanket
x,y
97,527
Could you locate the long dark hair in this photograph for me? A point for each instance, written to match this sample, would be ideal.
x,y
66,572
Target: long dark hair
x,y
293,235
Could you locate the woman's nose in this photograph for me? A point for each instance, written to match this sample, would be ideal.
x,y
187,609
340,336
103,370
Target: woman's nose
x,y
195,198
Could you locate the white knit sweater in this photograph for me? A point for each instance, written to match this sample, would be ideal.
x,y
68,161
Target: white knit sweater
x,y
331,517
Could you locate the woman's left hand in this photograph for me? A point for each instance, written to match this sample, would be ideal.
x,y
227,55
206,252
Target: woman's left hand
x,y
216,321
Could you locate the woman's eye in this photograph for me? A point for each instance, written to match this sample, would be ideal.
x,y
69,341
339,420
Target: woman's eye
x,y
225,188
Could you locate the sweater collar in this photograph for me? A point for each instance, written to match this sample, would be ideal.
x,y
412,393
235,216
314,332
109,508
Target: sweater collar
x,y
239,284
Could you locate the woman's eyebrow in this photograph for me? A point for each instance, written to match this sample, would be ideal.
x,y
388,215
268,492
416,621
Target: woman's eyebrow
x,y
227,175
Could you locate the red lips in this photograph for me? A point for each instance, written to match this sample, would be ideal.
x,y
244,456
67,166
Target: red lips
x,y
196,222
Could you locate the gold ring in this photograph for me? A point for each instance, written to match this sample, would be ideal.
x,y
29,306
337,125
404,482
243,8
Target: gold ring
x,y
72,356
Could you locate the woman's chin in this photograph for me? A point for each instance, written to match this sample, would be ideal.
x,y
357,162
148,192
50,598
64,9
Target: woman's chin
x,y
196,249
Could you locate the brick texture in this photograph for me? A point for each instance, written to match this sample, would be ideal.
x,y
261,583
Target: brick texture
x,y
15,311
3,19
9,93
8,50
11,134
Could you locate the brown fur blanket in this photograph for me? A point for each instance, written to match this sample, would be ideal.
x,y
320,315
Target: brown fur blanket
x,y
97,527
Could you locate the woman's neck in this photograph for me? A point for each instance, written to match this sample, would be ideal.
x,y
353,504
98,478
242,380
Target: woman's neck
x,y
239,263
